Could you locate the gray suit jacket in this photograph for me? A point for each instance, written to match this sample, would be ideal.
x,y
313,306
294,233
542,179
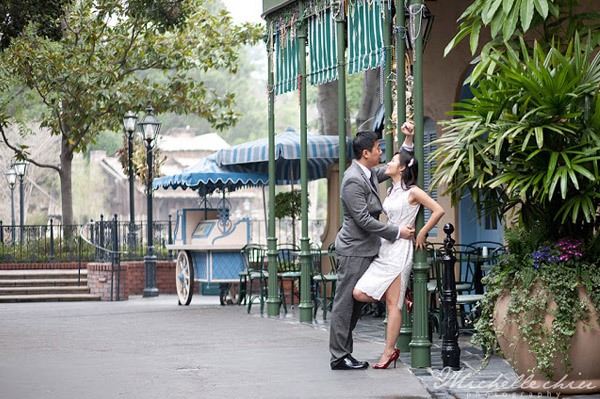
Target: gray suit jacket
x,y
361,231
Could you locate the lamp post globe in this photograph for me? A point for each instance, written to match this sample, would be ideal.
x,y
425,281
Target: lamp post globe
x,y
21,169
11,177
129,124
149,127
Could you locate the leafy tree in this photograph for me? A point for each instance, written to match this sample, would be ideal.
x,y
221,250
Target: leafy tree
x,y
98,70
17,14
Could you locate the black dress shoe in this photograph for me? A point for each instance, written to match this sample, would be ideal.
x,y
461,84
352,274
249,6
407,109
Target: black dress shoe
x,y
349,363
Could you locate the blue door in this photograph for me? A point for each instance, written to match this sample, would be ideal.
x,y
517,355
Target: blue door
x,y
472,228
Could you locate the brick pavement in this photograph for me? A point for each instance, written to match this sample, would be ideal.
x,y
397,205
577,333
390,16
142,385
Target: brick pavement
x,y
474,380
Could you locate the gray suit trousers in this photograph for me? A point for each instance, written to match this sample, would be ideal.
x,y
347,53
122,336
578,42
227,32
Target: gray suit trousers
x,y
346,311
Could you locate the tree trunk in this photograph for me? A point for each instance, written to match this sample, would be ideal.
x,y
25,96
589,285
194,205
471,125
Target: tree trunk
x,y
66,185
370,100
327,105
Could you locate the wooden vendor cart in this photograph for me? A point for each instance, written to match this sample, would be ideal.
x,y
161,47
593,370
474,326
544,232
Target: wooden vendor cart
x,y
209,250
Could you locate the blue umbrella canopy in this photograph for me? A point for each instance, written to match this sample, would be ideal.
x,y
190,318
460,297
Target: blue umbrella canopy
x,y
254,155
207,176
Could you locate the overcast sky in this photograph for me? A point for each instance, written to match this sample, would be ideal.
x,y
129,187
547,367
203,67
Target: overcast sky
x,y
244,10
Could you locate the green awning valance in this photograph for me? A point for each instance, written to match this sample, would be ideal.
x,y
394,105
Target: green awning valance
x,y
286,62
322,48
365,36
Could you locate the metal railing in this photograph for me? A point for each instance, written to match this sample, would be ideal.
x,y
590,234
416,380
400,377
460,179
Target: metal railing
x,y
108,250
57,243
53,243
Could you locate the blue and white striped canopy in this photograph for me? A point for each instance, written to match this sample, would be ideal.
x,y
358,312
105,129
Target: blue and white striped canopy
x,y
207,176
254,155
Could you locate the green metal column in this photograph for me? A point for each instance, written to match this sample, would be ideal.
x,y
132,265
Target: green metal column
x,y
388,82
306,306
400,32
387,91
420,346
341,68
273,302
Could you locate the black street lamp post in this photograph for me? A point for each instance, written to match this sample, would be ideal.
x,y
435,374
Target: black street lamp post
x,y
129,123
149,128
21,170
11,176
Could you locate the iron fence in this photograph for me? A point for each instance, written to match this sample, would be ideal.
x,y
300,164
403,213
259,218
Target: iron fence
x,y
54,243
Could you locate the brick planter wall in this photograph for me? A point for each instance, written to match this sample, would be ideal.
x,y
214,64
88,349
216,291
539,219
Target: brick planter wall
x,y
133,276
165,277
101,278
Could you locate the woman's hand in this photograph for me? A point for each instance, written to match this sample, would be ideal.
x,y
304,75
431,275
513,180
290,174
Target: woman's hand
x,y
408,129
420,240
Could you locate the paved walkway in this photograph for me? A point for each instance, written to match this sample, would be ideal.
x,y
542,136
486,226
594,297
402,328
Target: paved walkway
x,y
152,348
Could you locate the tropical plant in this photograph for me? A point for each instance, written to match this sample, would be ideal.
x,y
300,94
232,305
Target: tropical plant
x,y
527,142
512,20
542,277
526,148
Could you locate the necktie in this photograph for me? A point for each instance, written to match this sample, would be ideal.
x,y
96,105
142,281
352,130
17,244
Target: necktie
x,y
373,182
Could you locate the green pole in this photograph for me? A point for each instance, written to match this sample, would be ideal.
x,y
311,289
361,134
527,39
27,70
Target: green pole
x,y
406,328
341,67
387,90
273,302
420,346
306,306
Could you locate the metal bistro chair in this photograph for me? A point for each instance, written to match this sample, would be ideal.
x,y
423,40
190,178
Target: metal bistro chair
x,y
465,300
254,256
324,282
288,268
486,255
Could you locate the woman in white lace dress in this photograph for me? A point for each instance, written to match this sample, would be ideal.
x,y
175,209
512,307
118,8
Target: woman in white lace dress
x,y
387,277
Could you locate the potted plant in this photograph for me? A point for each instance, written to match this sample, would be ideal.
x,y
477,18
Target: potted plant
x,y
526,147
288,204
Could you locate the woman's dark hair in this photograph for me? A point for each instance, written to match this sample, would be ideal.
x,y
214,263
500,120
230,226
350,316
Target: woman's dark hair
x,y
411,172
363,141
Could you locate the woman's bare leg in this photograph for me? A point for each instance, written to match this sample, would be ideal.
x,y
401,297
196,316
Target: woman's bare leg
x,y
362,297
394,319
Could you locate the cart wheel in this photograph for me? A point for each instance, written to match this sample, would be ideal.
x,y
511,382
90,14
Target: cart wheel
x,y
229,294
224,291
184,278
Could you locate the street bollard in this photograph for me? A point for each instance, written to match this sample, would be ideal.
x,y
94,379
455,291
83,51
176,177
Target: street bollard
x,y
450,348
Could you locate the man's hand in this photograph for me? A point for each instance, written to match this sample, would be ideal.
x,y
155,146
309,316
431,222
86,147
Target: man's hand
x,y
408,129
407,232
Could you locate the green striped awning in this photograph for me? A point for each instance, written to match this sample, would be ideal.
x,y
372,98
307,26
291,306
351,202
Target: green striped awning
x,y
322,48
365,36
286,63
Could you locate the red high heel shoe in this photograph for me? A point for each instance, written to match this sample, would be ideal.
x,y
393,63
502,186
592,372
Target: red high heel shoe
x,y
385,365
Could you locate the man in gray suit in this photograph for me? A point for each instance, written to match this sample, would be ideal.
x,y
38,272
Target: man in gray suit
x,y
358,241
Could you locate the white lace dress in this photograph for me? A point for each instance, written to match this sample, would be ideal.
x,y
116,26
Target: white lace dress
x,y
394,257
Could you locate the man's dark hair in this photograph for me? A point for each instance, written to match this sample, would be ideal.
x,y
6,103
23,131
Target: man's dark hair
x,y
363,141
